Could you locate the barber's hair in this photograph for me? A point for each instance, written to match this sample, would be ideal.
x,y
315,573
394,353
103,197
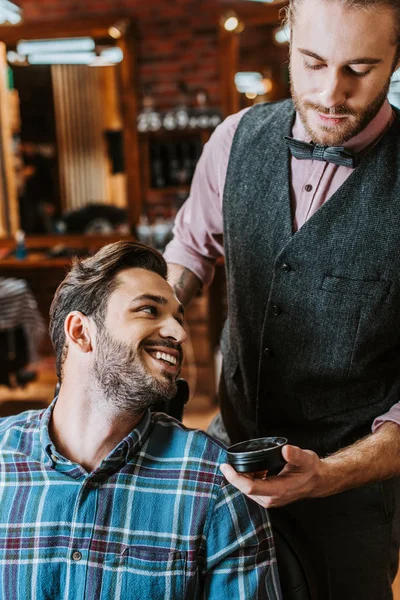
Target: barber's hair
x,y
290,11
89,284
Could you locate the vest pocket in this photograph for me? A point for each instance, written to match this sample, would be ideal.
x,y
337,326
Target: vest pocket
x,y
148,572
355,287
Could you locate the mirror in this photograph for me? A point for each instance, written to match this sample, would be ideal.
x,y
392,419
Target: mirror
x,y
72,117
255,61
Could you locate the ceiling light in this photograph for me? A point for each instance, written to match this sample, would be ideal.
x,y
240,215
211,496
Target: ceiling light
x,y
66,58
10,12
282,35
83,44
15,58
108,58
247,81
112,55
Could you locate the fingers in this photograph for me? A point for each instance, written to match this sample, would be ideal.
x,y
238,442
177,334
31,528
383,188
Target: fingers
x,y
246,483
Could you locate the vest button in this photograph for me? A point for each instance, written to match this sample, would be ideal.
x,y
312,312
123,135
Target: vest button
x,y
267,353
276,311
286,267
76,555
308,187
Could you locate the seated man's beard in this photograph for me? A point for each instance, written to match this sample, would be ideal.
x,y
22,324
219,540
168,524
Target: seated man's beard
x,y
122,378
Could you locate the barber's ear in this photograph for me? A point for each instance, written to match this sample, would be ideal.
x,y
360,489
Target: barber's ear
x,y
77,331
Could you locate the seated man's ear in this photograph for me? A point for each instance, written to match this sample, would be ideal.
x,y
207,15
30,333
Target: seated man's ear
x,y
77,332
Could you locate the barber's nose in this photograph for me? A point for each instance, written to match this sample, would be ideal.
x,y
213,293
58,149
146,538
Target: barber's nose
x,y
334,91
170,328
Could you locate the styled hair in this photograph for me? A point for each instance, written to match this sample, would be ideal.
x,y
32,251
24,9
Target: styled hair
x,y
89,284
290,11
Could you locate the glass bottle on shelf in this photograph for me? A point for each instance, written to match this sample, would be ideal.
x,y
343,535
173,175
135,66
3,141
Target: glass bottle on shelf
x,y
148,119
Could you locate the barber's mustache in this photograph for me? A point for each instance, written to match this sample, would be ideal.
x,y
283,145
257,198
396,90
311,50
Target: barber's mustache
x,y
336,110
166,343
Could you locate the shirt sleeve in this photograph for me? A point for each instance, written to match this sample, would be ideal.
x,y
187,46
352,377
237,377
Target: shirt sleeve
x,y
198,228
240,553
392,415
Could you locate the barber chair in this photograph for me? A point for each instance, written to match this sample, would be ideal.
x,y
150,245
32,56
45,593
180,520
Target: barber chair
x,y
14,357
297,568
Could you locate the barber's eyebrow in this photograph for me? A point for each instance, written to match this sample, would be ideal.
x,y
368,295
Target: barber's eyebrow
x,y
354,61
157,299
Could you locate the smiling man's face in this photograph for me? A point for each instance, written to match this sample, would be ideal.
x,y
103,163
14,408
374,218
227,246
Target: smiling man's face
x,y
341,61
138,353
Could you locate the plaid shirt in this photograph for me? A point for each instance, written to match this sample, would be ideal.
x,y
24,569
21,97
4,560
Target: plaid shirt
x,y
156,520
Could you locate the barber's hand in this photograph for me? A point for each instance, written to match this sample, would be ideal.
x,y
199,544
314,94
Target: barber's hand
x,y
300,478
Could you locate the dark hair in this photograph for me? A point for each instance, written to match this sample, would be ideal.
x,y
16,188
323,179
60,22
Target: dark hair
x,y
90,282
290,11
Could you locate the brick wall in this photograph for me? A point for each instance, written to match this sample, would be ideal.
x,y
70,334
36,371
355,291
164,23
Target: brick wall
x,y
178,39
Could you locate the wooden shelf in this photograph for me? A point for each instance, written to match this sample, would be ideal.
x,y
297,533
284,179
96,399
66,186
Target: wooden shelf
x,y
168,190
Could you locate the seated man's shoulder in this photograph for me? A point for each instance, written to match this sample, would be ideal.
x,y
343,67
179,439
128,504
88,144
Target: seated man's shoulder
x,y
178,441
28,421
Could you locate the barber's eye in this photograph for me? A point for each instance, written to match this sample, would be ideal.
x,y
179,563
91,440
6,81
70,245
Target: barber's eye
x,y
358,73
313,67
149,309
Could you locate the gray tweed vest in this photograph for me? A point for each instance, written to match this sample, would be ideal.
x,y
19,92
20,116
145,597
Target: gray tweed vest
x,y
312,343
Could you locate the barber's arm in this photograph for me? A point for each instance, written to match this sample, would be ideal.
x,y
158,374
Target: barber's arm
x,y
372,458
239,560
198,227
185,283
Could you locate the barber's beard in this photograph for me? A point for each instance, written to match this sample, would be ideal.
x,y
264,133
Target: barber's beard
x,y
357,121
122,379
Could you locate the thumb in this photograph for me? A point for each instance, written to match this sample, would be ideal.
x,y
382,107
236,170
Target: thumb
x,y
293,455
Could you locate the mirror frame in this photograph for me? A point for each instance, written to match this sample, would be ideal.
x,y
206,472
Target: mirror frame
x,y
97,27
249,13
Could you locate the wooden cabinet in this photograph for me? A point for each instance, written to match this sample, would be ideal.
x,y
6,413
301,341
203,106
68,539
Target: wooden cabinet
x,y
168,160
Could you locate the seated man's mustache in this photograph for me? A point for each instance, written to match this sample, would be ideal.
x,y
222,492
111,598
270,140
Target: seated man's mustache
x,y
166,344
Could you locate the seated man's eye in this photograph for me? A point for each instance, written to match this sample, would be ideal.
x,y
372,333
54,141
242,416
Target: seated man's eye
x,y
149,309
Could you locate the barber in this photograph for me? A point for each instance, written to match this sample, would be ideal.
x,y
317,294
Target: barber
x,y
302,197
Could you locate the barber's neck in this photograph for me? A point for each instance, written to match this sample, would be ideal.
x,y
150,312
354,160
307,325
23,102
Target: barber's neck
x,y
84,427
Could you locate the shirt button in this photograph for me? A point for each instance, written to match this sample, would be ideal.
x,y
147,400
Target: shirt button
x,y
54,458
308,187
267,353
276,311
286,267
76,555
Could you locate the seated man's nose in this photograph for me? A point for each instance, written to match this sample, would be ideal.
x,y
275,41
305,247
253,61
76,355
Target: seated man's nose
x,y
174,330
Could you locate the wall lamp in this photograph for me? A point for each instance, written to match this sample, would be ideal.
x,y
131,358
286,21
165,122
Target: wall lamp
x,y
231,22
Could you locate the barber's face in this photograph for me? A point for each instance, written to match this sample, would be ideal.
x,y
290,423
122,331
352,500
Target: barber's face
x,y
138,353
341,61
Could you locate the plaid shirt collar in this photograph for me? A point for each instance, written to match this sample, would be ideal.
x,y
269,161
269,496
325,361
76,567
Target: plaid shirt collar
x,y
117,458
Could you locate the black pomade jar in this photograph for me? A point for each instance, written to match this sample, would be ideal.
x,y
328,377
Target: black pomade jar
x,y
261,454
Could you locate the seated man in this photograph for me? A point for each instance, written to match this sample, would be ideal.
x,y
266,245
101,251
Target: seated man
x,y
101,499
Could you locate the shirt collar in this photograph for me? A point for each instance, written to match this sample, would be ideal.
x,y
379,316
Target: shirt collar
x,y
377,127
117,458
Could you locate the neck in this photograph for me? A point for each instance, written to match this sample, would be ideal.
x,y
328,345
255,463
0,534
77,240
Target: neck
x,y
84,429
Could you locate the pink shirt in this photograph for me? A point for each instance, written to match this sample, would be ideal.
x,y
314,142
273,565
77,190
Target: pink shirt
x,y
198,229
